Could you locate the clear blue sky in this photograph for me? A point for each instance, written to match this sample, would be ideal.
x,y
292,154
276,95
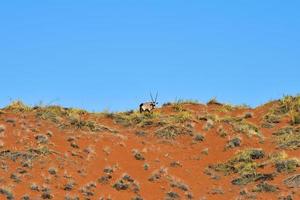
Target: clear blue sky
x,y
109,54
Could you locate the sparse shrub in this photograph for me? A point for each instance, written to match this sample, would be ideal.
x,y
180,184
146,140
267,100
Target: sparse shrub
x,y
218,190
288,138
208,125
204,117
17,106
138,119
140,133
7,193
104,179
242,162
272,118
108,175
293,181
49,134
34,187
179,184
41,139
69,186
245,127
46,195
15,177
25,197
248,115
290,106
52,113
126,182
182,117
235,142
287,165
204,151
221,132
146,166
178,107
254,177
288,197
172,195
25,157
175,164
88,189
137,198
138,155
156,175
295,117
283,163
68,197
265,187
74,145
198,137
172,131
284,131
267,125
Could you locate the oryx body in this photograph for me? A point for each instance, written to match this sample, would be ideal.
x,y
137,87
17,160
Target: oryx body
x,y
148,106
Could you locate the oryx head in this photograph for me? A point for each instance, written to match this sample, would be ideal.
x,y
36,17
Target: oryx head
x,y
154,101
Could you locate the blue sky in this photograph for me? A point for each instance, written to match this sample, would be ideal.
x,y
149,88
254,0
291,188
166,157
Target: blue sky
x,y
109,54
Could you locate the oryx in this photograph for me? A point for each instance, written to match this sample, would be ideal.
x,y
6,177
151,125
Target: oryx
x,y
149,106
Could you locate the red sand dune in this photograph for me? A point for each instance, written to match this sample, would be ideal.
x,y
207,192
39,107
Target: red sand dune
x,y
180,151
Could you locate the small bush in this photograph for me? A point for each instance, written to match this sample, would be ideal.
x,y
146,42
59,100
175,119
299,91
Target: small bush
x,y
52,171
172,131
172,196
18,106
198,137
41,138
156,175
288,138
138,155
254,177
235,142
272,118
293,181
265,187
242,162
248,115
126,182
182,117
7,192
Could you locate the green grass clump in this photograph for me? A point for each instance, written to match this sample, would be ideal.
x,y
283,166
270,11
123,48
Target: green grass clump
x,y
172,131
57,113
243,162
288,138
272,118
241,126
182,117
265,187
137,119
284,164
254,177
294,117
18,106
288,106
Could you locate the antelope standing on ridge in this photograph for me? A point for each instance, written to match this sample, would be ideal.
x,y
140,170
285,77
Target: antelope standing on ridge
x,y
149,106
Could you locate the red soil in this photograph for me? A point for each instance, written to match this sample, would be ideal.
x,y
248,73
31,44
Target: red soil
x,y
80,156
